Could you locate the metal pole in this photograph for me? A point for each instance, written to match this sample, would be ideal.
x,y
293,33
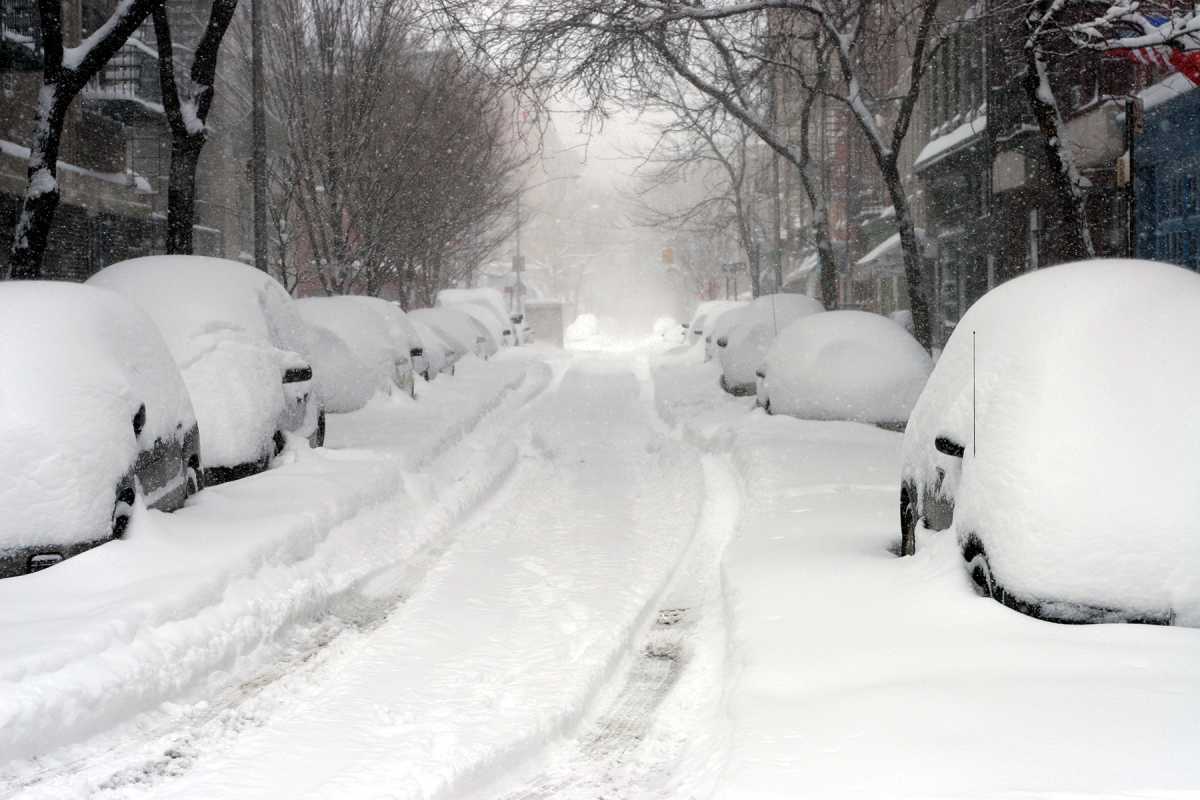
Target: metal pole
x,y
1131,108
258,123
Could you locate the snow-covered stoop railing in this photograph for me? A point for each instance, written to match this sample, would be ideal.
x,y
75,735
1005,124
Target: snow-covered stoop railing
x,y
121,635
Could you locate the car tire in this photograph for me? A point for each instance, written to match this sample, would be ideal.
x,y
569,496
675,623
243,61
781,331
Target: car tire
x,y
978,566
193,482
318,436
123,509
908,520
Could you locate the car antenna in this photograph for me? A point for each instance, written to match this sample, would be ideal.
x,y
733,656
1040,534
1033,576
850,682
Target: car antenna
x,y
974,438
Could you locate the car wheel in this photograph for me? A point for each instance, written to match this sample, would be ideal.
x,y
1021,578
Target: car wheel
x,y
908,520
978,566
123,509
193,482
280,441
318,437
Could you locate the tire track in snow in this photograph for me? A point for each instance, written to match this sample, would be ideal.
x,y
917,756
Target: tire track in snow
x,y
480,460
628,748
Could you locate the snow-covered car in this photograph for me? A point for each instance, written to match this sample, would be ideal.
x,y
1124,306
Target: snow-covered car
x,y
242,350
496,316
717,324
458,329
704,312
742,349
340,378
484,322
408,354
375,356
440,357
844,365
1056,438
93,412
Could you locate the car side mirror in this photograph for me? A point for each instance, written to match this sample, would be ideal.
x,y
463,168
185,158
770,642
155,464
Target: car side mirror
x,y
139,420
722,341
948,446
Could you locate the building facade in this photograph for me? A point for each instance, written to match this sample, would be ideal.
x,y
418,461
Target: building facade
x,y
115,159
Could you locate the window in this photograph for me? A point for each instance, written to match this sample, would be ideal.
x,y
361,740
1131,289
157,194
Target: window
x,y
1189,194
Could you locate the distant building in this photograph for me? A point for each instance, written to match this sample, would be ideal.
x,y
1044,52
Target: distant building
x,y
1167,174
115,159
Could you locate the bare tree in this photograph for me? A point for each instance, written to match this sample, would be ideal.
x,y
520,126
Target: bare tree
x,y
606,49
65,71
702,148
187,99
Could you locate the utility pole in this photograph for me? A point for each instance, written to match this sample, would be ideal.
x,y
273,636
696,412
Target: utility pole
x,y
258,125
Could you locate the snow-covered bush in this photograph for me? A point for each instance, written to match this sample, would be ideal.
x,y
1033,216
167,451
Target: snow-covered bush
x,y
845,365
1067,392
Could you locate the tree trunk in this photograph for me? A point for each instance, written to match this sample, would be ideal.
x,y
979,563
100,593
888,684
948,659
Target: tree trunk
x,y
914,263
1072,240
181,193
41,198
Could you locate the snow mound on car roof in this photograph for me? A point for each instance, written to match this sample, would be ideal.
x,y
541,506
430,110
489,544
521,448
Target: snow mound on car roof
x,y
367,339
454,327
1082,476
753,329
708,309
403,334
846,365
343,382
77,364
233,330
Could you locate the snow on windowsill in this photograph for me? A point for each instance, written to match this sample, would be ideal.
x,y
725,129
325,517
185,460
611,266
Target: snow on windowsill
x,y
943,146
131,179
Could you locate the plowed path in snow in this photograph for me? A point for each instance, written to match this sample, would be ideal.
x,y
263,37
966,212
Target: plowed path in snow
x,y
519,630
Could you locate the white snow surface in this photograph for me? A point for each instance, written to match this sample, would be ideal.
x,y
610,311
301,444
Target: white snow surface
x,y
706,310
233,331
845,365
183,618
496,316
78,362
717,324
372,347
1080,477
400,328
851,673
438,354
585,326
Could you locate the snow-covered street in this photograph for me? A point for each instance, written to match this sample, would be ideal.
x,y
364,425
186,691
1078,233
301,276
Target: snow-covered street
x,y
589,574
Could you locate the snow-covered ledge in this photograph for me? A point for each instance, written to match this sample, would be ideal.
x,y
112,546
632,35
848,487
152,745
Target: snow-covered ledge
x,y
955,140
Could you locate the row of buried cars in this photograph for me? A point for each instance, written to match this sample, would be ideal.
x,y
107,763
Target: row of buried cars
x,y
1055,438
166,374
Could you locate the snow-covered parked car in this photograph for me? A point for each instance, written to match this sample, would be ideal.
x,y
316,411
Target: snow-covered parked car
x,y
439,357
495,314
409,355
460,330
844,365
704,312
92,413
374,356
741,351
340,378
717,324
242,350
1056,438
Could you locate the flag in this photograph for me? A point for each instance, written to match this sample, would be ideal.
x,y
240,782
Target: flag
x,y
1185,62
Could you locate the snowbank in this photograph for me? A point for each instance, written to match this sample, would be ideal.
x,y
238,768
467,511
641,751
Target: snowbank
x,y
856,674
849,365
233,331
1079,479
585,326
192,603
78,363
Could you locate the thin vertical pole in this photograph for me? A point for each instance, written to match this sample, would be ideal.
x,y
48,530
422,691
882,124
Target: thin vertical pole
x,y
259,135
